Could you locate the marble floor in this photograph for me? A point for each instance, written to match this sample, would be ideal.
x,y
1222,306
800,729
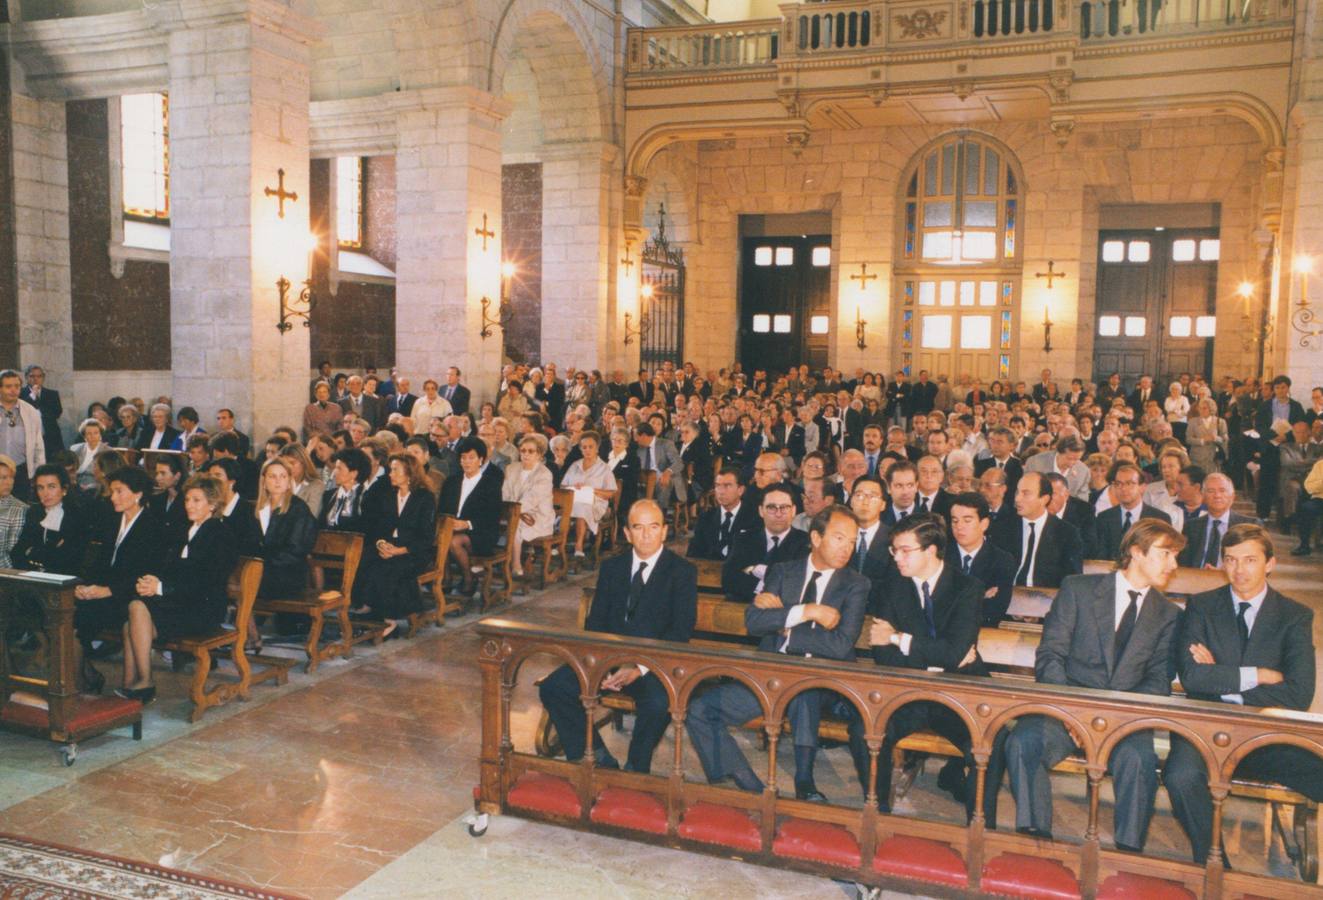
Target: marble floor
x,y
355,781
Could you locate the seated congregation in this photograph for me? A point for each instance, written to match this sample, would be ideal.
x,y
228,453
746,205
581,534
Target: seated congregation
x,y
902,525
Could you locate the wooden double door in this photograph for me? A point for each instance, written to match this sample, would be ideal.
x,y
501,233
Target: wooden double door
x,y
1157,304
785,293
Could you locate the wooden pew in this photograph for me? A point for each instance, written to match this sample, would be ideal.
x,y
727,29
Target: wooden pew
x,y
553,550
434,579
498,564
335,551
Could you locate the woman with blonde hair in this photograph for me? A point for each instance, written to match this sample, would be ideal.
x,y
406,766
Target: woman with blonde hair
x,y
308,484
285,534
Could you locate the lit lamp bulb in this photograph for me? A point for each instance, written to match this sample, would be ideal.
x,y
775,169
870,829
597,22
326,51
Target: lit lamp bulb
x,y
646,291
1246,289
507,269
1304,264
311,242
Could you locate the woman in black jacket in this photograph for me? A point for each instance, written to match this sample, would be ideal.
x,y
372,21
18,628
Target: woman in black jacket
x,y
623,461
402,534
129,546
286,532
184,594
473,497
55,532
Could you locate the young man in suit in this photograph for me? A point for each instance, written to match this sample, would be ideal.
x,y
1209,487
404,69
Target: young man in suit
x,y
1204,534
47,402
872,552
758,549
225,425
926,616
719,527
1108,632
649,593
974,555
458,396
1115,521
811,607
902,485
1047,549
1243,643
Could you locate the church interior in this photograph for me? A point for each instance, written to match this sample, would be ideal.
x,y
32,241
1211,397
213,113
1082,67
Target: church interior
x,y
859,238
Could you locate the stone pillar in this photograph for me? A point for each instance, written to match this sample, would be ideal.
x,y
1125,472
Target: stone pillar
x,y
1303,360
239,91
577,182
41,239
448,174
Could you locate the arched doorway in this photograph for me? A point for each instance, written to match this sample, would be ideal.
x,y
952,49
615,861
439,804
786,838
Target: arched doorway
x,y
958,272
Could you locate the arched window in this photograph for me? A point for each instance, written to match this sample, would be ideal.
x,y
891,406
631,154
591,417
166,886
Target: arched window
x,y
958,272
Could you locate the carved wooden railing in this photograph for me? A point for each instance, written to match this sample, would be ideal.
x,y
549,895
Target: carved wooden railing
x,y
1222,733
687,48
860,27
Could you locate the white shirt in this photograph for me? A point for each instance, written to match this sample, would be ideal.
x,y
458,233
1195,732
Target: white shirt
x,y
183,554
466,487
931,498
125,525
264,516
1249,675
971,554
868,534
54,518
795,616
157,438
341,505
1122,599
651,562
229,507
1038,542
903,641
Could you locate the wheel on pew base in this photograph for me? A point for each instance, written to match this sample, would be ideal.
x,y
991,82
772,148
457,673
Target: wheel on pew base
x,y
477,824
866,892
69,753
1305,826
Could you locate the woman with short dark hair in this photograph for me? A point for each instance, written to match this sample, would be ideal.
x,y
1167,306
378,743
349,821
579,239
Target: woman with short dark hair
x,y
473,497
401,536
55,533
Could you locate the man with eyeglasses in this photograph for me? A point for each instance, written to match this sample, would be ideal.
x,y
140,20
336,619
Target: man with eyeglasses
x,y
1113,632
1114,522
872,557
20,432
752,553
812,608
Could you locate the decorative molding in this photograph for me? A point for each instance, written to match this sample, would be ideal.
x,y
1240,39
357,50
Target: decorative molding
x,y
797,140
1060,82
1196,41
921,24
635,185
1062,128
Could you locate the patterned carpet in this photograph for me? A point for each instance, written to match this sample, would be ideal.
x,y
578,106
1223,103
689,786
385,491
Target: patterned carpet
x,y
30,870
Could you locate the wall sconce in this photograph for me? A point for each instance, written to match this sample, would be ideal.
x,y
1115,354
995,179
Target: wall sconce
x,y
504,311
301,306
642,331
1253,332
859,325
1303,316
1051,275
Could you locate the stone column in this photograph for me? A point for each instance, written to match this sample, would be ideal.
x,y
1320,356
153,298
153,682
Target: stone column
x,y
239,91
41,239
577,289
1303,360
448,174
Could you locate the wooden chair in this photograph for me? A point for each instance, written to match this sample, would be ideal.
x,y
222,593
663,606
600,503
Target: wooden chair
x,y
499,562
202,646
547,548
680,508
334,551
607,529
434,579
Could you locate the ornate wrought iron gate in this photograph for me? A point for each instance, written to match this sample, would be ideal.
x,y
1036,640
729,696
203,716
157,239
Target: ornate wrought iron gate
x,y
662,300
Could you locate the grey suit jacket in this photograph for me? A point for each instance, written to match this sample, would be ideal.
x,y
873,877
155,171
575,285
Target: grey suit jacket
x,y
847,592
1077,477
1078,634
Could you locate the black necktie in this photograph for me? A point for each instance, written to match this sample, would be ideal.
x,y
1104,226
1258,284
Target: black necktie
x,y
1125,526
1023,577
635,591
928,611
1215,550
923,503
811,589
968,562
1243,626
724,538
776,539
860,551
1127,626
872,464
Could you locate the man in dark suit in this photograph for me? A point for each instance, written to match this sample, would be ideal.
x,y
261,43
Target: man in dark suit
x,y
926,616
458,395
658,454
47,402
1140,396
1278,408
362,404
1048,549
1001,441
872,551
929,496
1042,391
1108,632
1110,391
1074,511
1115,521
1004,527
811,607
1243,643
649,593
641,389
975,555
1204,534
401,401
758,549
923,395
225,425
788,437
225,445
730,519
902,486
